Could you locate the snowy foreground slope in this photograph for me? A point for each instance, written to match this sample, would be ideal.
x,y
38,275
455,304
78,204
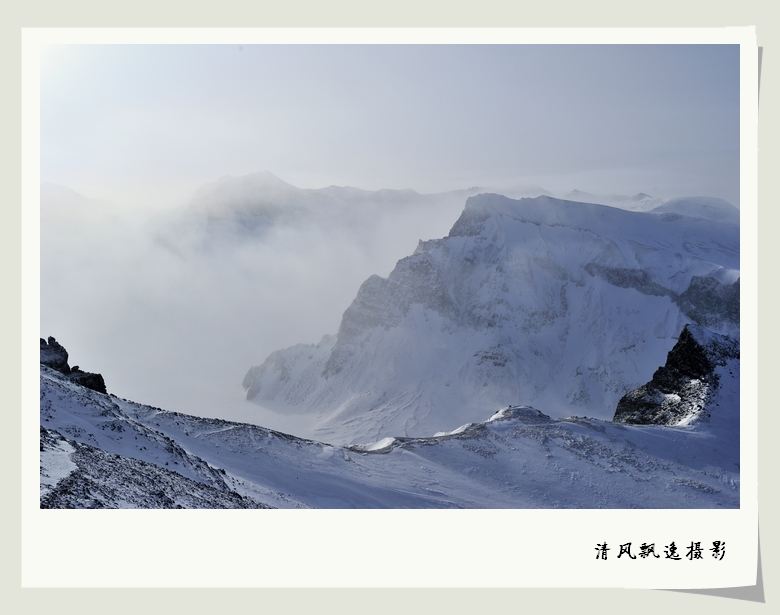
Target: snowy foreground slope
x,y
563,305
98,450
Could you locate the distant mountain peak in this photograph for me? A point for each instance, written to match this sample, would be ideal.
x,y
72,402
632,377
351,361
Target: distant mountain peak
x,y
640,196
710,208
261,180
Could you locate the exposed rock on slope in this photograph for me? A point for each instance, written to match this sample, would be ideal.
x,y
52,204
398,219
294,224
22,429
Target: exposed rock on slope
x,y
710,303
99,479
55,356
680,390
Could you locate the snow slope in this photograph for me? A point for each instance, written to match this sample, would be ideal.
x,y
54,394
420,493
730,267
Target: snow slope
x,y
559,304
102,451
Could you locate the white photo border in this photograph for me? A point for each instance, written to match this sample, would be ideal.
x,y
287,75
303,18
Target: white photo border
x,y
323,548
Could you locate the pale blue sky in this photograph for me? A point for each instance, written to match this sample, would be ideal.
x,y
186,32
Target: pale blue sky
x,y
149,124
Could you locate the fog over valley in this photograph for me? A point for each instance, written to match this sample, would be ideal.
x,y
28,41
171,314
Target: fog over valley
x,y
174,307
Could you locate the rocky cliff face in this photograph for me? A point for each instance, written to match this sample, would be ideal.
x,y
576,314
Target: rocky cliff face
x,y
566,306
53,355
682,389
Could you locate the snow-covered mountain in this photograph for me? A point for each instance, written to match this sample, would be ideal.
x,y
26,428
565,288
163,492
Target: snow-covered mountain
x,y
563,305
711,208
98,450
700,207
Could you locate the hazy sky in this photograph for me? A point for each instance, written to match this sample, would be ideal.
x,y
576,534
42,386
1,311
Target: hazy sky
x,y
146,125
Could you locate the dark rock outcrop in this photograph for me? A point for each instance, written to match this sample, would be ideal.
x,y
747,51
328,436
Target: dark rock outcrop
x,y
53,355
710,303
103,479
707,301
681,388
88,380
624,277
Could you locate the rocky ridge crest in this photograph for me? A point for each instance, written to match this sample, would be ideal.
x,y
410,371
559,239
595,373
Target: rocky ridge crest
x,y
54,355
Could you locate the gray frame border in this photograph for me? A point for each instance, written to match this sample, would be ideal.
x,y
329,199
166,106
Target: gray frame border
x,y
80,13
